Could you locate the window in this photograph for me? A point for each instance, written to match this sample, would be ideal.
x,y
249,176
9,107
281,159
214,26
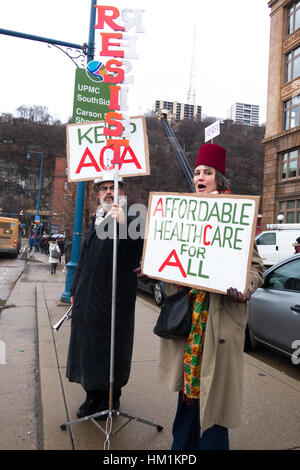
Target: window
x,y
293,18
267,239
293,64
291,112
290,165
285,277
290,210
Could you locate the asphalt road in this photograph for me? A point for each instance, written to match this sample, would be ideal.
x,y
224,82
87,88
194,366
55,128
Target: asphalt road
x,y
10,271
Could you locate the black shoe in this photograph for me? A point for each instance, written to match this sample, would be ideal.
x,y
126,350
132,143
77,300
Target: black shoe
x,y
89,407
116,406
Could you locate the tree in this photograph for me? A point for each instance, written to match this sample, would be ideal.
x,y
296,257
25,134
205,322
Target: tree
x,y
35,113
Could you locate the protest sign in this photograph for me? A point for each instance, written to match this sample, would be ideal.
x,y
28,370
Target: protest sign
x,y
212,131
202,241
110,139
89,153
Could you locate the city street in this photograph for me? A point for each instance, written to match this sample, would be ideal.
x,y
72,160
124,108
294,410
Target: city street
x,y
36,398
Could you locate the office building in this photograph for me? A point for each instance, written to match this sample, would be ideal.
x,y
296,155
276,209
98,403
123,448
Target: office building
x,y
247,114
177,111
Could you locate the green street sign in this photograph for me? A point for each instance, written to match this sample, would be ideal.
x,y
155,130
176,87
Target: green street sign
x,y
91,98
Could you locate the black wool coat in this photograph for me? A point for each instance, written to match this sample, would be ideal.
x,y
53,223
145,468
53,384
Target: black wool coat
x,y
88,360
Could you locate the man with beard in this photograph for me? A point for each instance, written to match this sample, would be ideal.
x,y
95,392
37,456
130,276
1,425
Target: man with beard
x,y
91,295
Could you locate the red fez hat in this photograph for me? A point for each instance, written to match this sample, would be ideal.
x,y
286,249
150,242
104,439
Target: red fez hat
x,y
212,155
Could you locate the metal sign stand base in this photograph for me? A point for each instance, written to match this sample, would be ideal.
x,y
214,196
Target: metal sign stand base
x,y
108,429
111,412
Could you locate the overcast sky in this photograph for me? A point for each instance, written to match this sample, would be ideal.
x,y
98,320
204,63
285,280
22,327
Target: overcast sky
x,y
232,50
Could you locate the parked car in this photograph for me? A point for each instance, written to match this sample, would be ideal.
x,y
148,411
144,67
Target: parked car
x,y
274,309
155,288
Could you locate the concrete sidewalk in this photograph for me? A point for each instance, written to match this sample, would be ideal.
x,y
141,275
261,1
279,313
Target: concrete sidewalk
x,y
271,412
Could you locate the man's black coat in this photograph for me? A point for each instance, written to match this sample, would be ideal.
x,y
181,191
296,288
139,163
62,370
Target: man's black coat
x,y
89,349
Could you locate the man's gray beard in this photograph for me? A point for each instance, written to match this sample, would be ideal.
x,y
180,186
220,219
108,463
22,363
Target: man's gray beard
x,y
106,206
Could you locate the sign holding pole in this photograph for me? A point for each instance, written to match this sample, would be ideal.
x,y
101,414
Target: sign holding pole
x,y
117,143
188,234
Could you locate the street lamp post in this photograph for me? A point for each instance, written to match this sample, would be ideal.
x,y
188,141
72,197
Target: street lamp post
x,y
88,51
280,218
79,205
37,210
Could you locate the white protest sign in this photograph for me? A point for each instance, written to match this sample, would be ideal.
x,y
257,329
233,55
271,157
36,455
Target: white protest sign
x,y
202,241
89,153
212,131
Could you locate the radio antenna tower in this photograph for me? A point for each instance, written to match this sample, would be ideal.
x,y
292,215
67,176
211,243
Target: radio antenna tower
x,y
192,94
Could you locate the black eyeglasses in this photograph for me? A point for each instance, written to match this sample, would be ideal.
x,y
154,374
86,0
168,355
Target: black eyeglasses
x,y
103,188
107,188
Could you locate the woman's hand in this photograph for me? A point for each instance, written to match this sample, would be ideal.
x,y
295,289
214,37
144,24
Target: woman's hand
x,y
142,277
236,296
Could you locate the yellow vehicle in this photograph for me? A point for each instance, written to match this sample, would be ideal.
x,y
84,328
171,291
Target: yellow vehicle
x,y
10,236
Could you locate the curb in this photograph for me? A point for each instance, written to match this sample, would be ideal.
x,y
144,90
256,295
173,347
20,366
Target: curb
x,y
51,397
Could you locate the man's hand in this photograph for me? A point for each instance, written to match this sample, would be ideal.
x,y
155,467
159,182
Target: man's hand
x,y
236,296
142,277
72,300
117,213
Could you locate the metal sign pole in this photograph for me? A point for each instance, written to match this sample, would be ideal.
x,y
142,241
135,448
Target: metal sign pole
x,y
114,292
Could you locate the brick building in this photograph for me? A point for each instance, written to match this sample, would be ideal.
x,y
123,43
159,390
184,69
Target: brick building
x,y
60,192
281,194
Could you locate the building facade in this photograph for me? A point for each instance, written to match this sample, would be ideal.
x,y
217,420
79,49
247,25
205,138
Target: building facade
x,y
247,114
177,111
281,194
60,192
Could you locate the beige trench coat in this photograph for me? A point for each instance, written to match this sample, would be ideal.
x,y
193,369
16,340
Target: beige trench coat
x,y
221,381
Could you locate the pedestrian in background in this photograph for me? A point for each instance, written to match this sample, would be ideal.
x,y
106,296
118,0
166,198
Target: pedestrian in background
x,y
61,245
54,255
32,243
68,251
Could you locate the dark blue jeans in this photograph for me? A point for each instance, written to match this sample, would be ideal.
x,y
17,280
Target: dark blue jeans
x,y
186,430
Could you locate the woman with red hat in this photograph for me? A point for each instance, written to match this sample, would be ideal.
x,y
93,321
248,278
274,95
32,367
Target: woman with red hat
x,y
207,367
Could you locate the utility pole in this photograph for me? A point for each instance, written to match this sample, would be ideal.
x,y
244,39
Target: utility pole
x,y
87,50
79,205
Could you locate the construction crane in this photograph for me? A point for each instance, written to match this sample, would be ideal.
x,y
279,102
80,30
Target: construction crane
x,y
185,166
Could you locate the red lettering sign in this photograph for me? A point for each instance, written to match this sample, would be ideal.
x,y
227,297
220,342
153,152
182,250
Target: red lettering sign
x,y
204,235
175,263
159,208
108,19
106,43
83,164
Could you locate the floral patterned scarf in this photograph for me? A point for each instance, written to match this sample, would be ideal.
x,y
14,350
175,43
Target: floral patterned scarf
x,y
194,344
